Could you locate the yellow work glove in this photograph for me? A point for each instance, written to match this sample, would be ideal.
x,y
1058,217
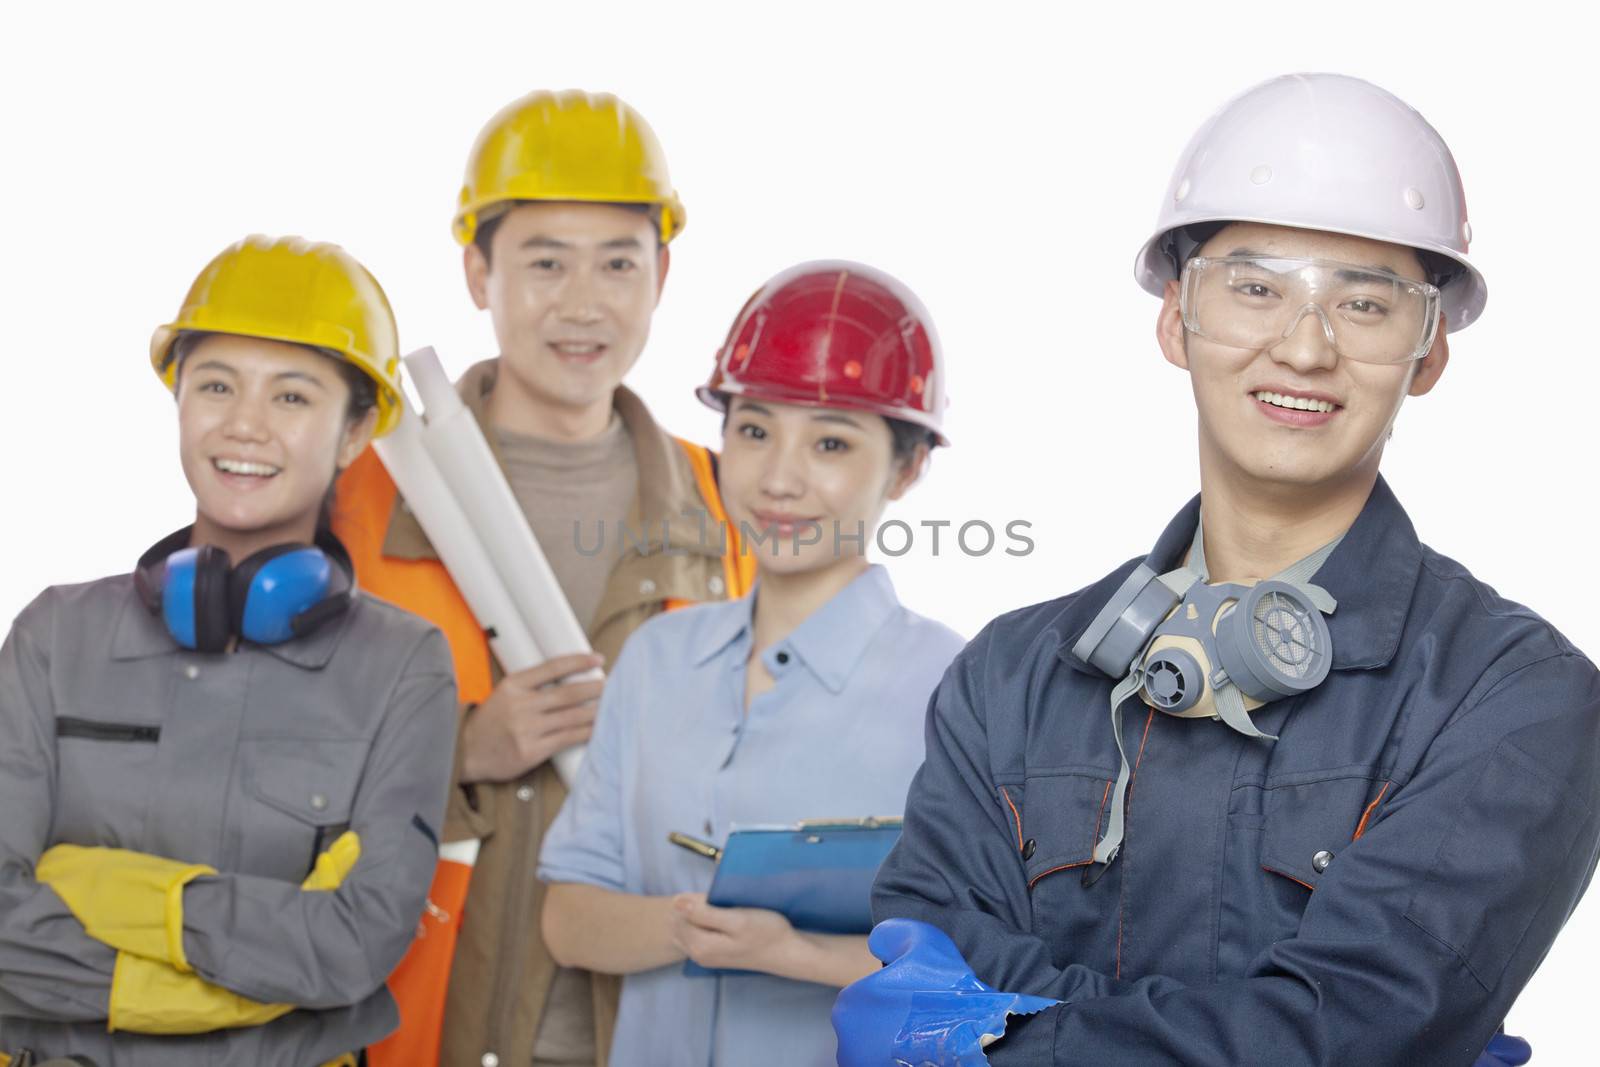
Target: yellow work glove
x,y
151,997
335,863
131,901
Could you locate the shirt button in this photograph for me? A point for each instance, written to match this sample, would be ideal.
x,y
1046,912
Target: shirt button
x,y
191,672
1321,860
1028,848
318,802
708,827
524,794
717,586
647,587
782,658
490,1060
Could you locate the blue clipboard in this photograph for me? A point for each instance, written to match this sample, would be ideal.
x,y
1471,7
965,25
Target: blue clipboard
x,y
817,874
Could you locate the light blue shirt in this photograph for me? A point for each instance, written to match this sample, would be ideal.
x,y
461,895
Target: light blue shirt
x,y
838,736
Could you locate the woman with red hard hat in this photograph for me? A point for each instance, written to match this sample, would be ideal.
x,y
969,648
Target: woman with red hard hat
x,y
803,700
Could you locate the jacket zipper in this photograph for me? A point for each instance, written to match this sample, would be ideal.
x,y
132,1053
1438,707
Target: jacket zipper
x,y
106,731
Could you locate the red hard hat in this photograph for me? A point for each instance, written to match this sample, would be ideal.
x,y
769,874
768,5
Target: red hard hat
x,y
839,335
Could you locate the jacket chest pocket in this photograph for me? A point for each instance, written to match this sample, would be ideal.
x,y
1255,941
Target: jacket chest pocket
x,y
1277,857
105,766
1058,820
298,798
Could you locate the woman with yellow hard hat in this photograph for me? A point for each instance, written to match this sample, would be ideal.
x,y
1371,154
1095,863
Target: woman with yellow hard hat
x,y
222,774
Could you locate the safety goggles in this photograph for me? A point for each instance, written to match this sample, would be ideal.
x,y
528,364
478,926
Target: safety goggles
x,y
1368,314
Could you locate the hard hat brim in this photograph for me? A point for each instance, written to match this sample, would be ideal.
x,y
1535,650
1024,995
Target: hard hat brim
x,y
464,227
390,401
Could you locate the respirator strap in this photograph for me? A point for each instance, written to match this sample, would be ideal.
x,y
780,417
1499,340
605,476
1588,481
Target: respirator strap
x,y
1180,581
1230,707
1106,850
1299,576
1231,710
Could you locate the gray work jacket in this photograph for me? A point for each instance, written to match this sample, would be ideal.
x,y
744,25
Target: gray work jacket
x,y
252,761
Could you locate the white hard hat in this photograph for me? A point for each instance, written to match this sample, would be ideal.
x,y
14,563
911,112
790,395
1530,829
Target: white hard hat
x,y
1323,152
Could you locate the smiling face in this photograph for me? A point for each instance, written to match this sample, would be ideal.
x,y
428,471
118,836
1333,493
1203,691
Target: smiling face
x,y
1295,413
797,474
571,288
263,427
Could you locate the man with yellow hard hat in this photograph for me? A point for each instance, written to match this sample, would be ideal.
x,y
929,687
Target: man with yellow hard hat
x,y
565,218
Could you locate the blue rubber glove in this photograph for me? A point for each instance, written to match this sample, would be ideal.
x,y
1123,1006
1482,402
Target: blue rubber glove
x,y
925,1008
1505,1051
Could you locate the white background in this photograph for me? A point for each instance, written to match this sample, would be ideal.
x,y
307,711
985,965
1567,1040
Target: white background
x,y
1004,160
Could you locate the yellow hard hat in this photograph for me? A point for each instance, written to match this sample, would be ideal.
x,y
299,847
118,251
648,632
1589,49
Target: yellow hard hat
x,y
566,146
303,292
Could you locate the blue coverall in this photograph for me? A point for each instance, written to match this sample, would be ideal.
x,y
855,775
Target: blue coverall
x,y
1374,888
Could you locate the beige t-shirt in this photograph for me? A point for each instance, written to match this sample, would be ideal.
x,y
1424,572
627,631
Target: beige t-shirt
x,y
576,496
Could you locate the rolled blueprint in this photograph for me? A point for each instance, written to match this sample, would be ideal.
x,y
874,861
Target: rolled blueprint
x,y
448,529
468,473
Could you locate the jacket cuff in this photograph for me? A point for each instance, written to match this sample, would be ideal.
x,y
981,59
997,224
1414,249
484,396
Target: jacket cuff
x,y
1028,1040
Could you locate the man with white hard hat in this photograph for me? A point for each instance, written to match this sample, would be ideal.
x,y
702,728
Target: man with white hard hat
x,y
1292,788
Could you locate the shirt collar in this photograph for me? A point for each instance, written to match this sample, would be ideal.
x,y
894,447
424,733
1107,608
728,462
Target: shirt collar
x,y
313,651
1371,574
830,642
141,633
726,622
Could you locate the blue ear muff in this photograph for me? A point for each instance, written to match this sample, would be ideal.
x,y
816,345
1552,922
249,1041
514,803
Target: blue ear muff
x,y
194,599
177,597
275,587
276,595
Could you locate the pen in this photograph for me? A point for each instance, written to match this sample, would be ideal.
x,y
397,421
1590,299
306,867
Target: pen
x,y
695,845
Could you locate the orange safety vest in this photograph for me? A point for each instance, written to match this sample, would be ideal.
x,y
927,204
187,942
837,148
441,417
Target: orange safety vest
x,y
366,499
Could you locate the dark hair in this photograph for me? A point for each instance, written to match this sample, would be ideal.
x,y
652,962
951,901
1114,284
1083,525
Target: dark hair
x,y
1440,270
483,236
1183,244
907,436
363,398
904,436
